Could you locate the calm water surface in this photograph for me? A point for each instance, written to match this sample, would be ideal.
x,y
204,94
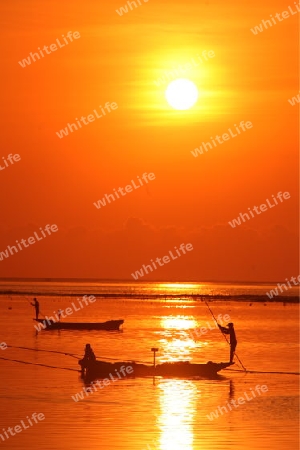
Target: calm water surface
x,y
158,414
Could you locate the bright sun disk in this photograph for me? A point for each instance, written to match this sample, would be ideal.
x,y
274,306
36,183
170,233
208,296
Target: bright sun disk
x,y
182,94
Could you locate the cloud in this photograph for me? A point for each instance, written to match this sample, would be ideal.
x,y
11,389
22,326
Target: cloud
x,y
220,253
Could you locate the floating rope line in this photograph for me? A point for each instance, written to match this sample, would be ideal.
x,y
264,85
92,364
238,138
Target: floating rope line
x,y
76,370
73,355
48,351
101,358
257,371
126,360
37,364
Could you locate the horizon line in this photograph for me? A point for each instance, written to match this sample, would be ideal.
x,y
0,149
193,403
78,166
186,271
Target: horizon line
x,y
45,279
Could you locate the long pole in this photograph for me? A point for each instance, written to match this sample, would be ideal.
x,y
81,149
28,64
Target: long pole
x,y
217,323
225,336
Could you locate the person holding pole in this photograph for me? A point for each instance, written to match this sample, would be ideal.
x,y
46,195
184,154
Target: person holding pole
x,y
59,313
233,341
37,308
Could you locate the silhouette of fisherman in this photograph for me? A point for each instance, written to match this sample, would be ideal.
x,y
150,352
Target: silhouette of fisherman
x,y
233,341
59,313
37,308
89,355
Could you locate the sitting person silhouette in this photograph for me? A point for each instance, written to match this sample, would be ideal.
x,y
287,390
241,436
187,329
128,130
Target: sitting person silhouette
x,y
89,355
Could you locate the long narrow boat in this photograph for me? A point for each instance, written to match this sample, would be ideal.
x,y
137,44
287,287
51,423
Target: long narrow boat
x,y
181,369
110,325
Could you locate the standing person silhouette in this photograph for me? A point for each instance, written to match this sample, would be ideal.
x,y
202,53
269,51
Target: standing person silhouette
x,y
233,340
37,308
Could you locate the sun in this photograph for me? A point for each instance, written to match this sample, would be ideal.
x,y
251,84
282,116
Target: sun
x,y
182,94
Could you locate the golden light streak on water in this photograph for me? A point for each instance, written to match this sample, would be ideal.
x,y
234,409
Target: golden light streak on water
x,y
178,399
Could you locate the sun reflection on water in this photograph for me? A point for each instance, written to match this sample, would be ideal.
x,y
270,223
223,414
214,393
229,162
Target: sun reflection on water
x,y
178,399
177,342
178,323
180,285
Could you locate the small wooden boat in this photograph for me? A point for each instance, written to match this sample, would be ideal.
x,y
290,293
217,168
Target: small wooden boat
x,y
110,325
181,369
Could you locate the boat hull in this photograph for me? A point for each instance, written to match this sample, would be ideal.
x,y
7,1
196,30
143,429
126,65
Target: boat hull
x,y
110,325
182,369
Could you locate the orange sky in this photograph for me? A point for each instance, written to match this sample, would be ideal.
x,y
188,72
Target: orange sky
x,y
117,59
